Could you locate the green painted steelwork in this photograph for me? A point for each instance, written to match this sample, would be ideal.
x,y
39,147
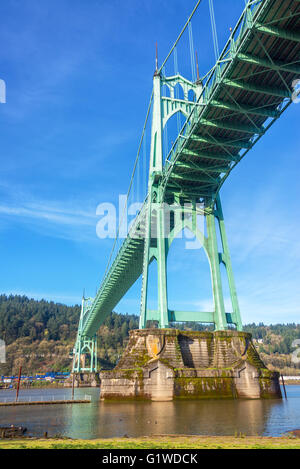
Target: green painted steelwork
x,y
84,346
240,98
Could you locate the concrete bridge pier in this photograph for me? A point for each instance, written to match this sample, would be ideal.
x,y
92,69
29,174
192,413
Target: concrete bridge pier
x,y
83,380
167,364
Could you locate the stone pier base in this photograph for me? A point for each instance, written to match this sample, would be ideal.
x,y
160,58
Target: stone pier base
x,y
83,380
167,364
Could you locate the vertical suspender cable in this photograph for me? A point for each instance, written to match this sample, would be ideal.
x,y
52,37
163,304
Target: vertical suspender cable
x,y
192,53
176,70
214,29
144,165
165,141
165,128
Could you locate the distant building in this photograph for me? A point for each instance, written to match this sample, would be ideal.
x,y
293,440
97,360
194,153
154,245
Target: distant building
x,y
258,341
294,378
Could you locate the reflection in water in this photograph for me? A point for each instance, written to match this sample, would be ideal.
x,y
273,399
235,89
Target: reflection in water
x,y
184,417
116,419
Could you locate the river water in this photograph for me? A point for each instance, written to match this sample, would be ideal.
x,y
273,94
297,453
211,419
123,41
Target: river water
x,y
104,420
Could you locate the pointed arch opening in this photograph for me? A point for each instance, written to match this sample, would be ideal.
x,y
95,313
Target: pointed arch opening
x,y
165,91
189,280
192,96
172,129
226,289
152,295
178,91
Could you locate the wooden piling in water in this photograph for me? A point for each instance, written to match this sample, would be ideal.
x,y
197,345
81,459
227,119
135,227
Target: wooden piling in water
x,y
283,384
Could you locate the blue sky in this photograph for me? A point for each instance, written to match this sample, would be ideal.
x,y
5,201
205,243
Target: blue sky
x,y
79,76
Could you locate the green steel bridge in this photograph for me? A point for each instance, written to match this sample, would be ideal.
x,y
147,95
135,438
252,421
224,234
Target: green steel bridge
x,y
252,83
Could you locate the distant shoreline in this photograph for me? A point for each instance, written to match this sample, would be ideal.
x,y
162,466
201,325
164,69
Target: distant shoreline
x,y
62,386
43,386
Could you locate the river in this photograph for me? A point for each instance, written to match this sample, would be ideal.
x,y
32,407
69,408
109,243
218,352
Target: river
x,y
116,419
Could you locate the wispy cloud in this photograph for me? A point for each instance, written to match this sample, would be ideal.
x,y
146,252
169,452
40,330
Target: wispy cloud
x,y
62,219
51,214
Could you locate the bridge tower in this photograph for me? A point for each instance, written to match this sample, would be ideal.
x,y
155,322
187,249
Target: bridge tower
x,y
173,210
85,346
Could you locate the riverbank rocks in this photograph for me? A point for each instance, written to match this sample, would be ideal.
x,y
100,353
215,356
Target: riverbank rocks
x,y
167,364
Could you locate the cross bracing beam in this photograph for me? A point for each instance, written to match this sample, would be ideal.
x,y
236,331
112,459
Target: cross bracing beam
x,y
255,88
191,177
201,167
209,156
221,141
189,191
278,32
228,125
193,316
274,65
264,111
182,316
179,101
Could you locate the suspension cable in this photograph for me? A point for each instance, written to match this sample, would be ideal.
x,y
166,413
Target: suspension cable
x,y
130,185
176,72
182,31
192,52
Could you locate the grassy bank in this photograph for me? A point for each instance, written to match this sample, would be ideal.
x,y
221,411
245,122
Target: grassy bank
x,y
159,442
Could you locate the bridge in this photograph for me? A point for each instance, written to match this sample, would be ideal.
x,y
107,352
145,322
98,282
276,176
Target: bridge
x,y
226,112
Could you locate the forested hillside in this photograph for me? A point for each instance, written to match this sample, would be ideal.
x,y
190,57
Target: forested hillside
x,y
40,335
274,343
24,317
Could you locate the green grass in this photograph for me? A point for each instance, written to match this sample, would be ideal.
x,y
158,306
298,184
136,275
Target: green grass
x,y
158,442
